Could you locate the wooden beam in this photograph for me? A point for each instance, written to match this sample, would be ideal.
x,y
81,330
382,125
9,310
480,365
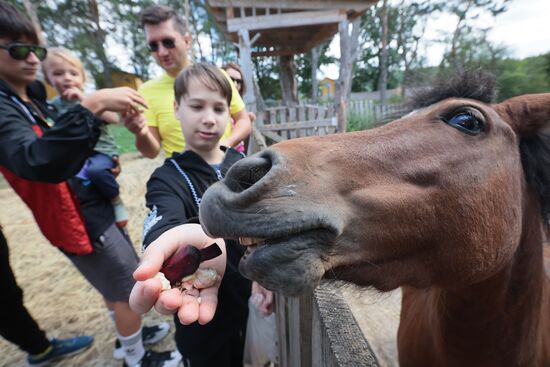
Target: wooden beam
x,y
281,52
352,5
295,19
320,37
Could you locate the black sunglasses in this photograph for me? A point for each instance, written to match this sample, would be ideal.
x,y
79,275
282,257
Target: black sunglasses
x,y
237,81
20,51
166,42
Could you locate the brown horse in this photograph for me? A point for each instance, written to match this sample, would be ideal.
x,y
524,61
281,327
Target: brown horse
x,y
447,202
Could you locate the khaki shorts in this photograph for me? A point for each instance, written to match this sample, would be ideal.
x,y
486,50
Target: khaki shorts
x,y
109,268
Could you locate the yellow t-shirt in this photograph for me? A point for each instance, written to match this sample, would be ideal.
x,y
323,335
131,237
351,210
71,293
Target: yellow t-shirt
x,y
159,95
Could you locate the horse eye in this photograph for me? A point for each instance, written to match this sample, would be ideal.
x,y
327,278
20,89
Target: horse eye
x,y
467,122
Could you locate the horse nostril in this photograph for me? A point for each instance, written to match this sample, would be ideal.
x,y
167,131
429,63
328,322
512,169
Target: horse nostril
x,y
247,172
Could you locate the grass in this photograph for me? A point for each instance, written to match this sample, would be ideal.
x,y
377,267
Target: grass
x,y
124,139
357,122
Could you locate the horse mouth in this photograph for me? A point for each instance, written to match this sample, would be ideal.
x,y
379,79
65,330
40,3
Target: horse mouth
x,y
292,264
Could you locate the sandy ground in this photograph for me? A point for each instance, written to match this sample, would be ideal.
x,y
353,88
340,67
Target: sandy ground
x,y
64,304
59,298
377,314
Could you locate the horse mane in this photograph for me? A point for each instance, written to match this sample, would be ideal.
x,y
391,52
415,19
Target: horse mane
x,y
535,157
472,84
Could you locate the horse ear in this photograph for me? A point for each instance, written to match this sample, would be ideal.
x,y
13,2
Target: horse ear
x,y
526,114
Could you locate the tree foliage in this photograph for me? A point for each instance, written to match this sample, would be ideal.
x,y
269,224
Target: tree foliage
x,y
517,77
107,36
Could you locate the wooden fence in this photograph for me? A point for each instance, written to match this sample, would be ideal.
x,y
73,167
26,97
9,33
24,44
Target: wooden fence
x,y
282,123
318,329
379,113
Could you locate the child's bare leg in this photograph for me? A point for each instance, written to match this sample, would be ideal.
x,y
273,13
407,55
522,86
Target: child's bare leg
x,y
127,321
128,327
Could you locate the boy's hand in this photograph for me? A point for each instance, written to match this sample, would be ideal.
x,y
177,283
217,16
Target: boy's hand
x,y
73,94
147,290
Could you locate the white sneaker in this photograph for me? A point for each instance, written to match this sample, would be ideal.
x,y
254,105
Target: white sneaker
x,y
149,335
159,359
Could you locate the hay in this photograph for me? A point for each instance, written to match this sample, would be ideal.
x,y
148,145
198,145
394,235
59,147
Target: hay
x,y
58,297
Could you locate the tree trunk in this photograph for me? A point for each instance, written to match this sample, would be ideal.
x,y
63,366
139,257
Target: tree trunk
x,y
31,12
194,34
455,63
314,66
348,56
289,89
383,58
246,67
99,38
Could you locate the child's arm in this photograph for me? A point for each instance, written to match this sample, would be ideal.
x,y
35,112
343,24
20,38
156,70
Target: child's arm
x,y
76,94
110,117
147,138
147,290
120,99
242,128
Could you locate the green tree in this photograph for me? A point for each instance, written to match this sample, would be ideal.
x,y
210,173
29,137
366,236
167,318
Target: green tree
x,y
466,13
517,77
304,72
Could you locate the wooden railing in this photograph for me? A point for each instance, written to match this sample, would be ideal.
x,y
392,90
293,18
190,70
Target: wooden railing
x,y
318,329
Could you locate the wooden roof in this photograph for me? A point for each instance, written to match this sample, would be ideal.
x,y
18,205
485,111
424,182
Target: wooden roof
x,y
285,27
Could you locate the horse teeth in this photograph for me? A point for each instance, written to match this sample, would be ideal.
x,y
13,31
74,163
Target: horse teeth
x,y
250,249
249,241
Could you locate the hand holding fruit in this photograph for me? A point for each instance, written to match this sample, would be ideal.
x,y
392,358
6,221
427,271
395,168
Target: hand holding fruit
x,y
190,307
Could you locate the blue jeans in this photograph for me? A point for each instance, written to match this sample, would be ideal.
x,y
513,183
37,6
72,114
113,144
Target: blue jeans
x,y
97,169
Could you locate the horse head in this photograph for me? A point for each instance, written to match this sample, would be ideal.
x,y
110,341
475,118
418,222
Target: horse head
x,y
439,197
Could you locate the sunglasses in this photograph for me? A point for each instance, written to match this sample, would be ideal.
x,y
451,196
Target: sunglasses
x,y
166,42
237,81
20,51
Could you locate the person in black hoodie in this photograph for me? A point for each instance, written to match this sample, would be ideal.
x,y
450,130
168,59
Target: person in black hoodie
x,y
36,159
173,196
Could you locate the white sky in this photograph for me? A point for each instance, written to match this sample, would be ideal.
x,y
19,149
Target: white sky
x,y
524,29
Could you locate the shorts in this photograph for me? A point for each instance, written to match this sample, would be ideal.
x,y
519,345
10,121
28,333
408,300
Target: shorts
x,y
110,267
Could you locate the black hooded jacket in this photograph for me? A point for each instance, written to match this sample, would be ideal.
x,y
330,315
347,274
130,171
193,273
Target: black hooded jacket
x,y
60,152
67,141
172,202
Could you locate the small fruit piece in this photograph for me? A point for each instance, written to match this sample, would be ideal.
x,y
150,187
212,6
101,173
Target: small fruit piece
x,y
186,261
165,283
202,278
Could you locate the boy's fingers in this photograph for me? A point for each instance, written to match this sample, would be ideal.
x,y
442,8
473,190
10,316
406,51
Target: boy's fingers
x,y
189,311
144,295
209,302
148,268
168,302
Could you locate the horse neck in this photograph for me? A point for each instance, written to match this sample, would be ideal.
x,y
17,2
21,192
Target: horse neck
x,y
506,312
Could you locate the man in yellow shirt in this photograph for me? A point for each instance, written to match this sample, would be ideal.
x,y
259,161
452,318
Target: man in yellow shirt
x,y
169,41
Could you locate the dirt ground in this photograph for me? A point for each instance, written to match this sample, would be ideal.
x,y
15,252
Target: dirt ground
x,y
58,297
64,304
